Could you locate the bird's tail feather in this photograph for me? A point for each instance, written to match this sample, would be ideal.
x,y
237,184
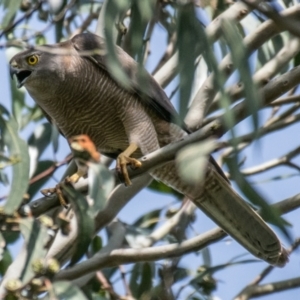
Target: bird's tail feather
x,y
221,203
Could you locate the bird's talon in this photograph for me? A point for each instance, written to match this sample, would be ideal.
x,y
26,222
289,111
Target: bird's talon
x,y
57,190
122,162
48,192
136,164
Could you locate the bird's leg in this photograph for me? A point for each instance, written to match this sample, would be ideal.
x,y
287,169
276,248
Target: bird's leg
x,y
84,151
124,159
81,172
56,190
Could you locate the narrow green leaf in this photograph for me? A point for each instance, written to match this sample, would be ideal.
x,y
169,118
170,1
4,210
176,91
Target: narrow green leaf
x,y
200,277
66,290
111,15
148,220
101,183
36,237
133,283
17,95
40,39
86,226
18,150
180,274
55,137
5,256
192,161
96,245
18,102
11,236
11,9
40,138
297,60
141,13
206,256
240,58
189,49
42,166
146,280
5,261
220,267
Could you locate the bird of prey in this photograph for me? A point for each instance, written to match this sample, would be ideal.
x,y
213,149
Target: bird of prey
x,y
72,84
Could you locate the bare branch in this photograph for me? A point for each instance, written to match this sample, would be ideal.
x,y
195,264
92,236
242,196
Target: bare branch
x,y
126,256
207,93
281,21
253,290
285,100
27,15
168,71
283,160
269,288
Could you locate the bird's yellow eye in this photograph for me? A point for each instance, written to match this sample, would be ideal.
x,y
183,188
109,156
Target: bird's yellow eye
x,y
32,60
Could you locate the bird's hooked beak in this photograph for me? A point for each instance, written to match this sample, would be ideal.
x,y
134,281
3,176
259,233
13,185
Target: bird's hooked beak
x,y
21,75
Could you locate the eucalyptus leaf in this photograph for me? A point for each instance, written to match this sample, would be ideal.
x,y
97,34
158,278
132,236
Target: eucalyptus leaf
x,y
211,270
36,237
240,58
141,279
148,220
206,256
146,280
180,274
189,49
11,8
42,166
18,151
141,13
2,245
111,15
18,95
65,290
135,274
5,261
192,161
96,245
86,226
38,142
41,138
101,183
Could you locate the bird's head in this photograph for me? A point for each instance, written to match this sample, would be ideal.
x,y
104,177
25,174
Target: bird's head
x,y
35,67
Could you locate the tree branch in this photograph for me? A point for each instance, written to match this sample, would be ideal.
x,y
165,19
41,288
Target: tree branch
x,y
126,256
207,93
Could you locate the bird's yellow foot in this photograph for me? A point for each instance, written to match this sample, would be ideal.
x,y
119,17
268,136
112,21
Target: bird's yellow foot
x,y
124,159
58,190
84,151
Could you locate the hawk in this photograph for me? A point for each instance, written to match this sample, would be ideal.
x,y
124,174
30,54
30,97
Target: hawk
x,y
72,84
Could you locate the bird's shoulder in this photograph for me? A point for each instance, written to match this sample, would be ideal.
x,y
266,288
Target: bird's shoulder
x,y
143,84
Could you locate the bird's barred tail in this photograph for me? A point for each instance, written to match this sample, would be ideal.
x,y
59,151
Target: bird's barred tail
x,y
221,203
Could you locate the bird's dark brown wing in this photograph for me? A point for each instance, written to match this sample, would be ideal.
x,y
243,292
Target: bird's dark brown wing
x,y
147,88
152,94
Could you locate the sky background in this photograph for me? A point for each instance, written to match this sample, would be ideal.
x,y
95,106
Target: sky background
x,y
232,279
